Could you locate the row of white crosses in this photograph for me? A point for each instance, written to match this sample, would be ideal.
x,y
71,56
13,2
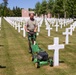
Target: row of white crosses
x,y
68,32
59,22
51,21
48,27
39,21
20,22
16,23
56,46
56,20
56,25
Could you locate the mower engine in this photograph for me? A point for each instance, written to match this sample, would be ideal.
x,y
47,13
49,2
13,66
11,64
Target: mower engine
x,y
42,56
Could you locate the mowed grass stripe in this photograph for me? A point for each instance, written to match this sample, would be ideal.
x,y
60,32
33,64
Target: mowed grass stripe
x,y
9,66
23,67
64,55
20,58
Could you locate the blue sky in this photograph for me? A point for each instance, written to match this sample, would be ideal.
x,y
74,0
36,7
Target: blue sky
x,y
22,3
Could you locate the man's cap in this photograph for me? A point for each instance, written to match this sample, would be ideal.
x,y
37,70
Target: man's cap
x,y
31,12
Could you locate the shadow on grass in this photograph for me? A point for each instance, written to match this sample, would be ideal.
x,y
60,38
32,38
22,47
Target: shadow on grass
x,y
61,62
1,45
2,66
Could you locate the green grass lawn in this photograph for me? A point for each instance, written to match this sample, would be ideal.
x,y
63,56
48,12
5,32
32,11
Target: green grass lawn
x,y
14,53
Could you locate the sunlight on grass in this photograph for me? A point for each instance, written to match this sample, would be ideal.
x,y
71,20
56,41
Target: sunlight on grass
x,y
14,53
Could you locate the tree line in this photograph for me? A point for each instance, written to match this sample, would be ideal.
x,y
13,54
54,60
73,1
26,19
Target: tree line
x,y
6,11
58,8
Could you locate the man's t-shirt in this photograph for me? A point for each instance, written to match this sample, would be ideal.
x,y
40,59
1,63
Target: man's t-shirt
x,y
31,24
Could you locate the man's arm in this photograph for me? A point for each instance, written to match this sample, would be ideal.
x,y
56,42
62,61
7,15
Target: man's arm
x,y
26,29
35,30
36,26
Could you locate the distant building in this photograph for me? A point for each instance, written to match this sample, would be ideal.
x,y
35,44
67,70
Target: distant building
x,y
25,12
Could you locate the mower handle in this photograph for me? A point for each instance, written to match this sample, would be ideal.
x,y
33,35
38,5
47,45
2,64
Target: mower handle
x,y
31,32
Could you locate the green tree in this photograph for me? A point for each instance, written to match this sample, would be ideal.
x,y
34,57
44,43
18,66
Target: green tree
x,y
58,8
5,3
44,7
65,8
50,6
30,9
71,4
37,8
16,11
1,9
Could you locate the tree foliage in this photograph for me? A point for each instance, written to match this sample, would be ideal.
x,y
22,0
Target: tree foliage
x,y
37,6
6,11
59,8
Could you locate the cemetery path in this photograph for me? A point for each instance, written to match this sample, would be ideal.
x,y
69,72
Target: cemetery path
x,y
14,53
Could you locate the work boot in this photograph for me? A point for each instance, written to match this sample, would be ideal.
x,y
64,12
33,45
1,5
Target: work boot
x,y
30,50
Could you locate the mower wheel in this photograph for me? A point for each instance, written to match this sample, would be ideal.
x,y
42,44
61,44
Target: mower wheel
x,y
37,65
51,61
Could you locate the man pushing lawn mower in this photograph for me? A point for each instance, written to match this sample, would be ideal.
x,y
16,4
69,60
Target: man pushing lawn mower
x,y
39,56
31,29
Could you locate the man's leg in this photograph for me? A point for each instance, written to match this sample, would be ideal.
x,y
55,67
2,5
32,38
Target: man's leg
x,y
29,42
30,50
34,38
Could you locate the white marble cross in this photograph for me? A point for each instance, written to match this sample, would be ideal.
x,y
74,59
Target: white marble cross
x,y
24,32
64,22
19,27
52,23
38,27
57,26
47,24
49,30
67,33
56,46
15,26
14,23
71,29
61,25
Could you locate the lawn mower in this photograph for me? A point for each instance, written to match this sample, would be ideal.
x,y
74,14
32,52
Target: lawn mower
x,y
39,56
